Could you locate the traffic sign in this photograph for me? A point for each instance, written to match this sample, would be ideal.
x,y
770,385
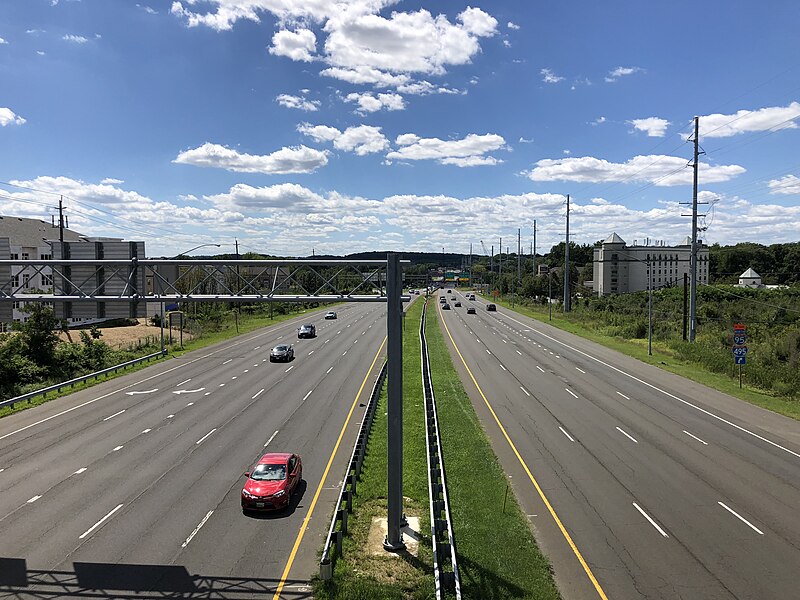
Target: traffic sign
x,y
740,360
739,327
740,351
739,340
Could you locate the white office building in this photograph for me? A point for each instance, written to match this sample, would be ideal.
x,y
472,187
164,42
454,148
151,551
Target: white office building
x,y
619,268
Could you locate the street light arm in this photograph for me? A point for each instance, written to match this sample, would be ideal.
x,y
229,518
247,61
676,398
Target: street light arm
x,y
195,248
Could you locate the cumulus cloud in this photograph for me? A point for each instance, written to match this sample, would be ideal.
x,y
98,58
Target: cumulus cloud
x,y
469,151
75,39
652,126
298,102
656,169
363,75
362,140
368,103
299,45
511,25
9,117
299,159
622,72
598,121
147,9
790,184
2,41
744,121
549,77
111,181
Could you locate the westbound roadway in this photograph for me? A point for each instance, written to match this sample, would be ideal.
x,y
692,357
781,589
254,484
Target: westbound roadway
x,y
131,488
639,483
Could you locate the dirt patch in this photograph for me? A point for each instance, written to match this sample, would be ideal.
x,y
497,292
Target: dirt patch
x,y
129,335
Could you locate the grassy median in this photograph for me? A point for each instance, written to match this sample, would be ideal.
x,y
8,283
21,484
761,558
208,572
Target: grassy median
x,y
498,556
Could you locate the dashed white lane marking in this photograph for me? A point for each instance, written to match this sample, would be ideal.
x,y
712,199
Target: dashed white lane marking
x,y
623,395
100,522
289,369
527,393
329,370
345,352
571,439
202,439
307,395
255,365
488,351
258,393
571,393
207,394
196,529
695,437
741,518
540,368
170,416
114,415
581,370
234,377
272,437
310,353
79,471
502,367
326,341
355,342
227,361
118,448
221,385
518,352
246,371
505,342
34,499
257,348
653,523
187,381
146,430
627,435
190,404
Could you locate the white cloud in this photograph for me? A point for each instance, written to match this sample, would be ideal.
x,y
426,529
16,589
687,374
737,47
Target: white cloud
x,y
2,41
656,169
299,159
362,75
567,152
147,9
40,53
362,140
622,72
522,140
368,103
111,181
75,39
299,45
511,25
469,151
9,117
598,121
34,31
743,121
790,184
549,77
653,126
298,102
424,88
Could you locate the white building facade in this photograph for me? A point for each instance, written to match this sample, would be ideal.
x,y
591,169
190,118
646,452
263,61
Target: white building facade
x,y
619,268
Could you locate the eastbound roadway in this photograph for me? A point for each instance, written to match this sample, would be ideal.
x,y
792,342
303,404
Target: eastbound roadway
x,y
131,488
639,483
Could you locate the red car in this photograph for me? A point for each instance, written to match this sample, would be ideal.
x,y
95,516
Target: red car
x,y
272,481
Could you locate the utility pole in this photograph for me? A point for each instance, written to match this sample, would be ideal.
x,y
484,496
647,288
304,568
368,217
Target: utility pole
x,y
61,223
533,249
470,265
566,265
519,257
693,259
500,260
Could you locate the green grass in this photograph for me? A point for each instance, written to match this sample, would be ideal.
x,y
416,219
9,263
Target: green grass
x,y
664,359
498,556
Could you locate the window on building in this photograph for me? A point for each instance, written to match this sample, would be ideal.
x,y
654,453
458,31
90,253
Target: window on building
x,y
25,256
15,281
26,280
47,280
46,257
14,256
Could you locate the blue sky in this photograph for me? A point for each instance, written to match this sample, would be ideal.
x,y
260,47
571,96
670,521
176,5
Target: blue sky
x,y
399,125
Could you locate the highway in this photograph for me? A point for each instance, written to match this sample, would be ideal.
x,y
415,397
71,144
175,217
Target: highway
x,y
638,483
132,488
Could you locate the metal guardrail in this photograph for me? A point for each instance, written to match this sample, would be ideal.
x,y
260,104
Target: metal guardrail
x,y
344,504
445,562
57,387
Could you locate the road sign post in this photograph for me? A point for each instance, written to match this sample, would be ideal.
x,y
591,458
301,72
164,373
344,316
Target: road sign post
x,y
739,348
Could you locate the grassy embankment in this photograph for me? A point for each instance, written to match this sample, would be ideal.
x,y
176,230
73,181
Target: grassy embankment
x,y
498,556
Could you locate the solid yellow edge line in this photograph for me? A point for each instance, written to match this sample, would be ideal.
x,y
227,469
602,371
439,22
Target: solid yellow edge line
x,y
303,527
553,514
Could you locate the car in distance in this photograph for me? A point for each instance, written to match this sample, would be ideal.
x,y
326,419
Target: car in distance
x,y
307,331
449,291
472,296
445,306
281,352
457,304
272,481
330,315
471,310
491,307
442,299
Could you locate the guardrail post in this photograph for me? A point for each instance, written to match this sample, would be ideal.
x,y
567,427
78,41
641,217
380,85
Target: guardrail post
x,y
326,570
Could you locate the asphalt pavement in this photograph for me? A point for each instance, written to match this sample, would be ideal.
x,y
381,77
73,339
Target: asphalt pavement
x,y
638,483
132,488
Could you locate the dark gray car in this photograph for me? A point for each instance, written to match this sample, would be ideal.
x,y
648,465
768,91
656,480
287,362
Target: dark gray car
x,y
281,352
307,331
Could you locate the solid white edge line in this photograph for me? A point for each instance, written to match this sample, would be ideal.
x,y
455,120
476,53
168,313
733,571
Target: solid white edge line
x,y
114,415
272,437
653,523
196,529
526,391
307,395
741,518
566,434
258,393
202,439
633,439
695,437
666,393
571,393
100,522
